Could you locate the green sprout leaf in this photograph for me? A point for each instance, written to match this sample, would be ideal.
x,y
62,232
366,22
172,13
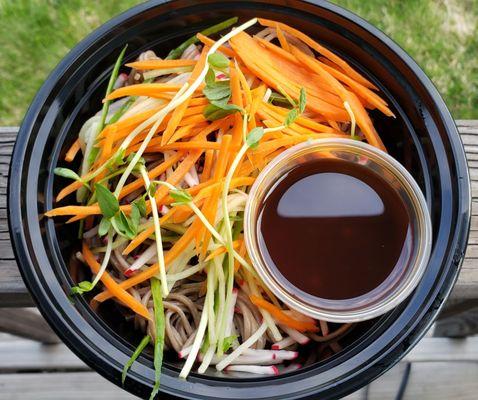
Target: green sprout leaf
x,y
153,186
134,217
141,205
124,226
217,60
118,159
133,358
105,225
217,110
218,91
254,136
228,341
291,117
67,173
210,77
302,100
107,201
82,287
180,196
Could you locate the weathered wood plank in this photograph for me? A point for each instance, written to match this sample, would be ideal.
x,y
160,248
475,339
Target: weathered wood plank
x,y
25,355
27,323
427,381
60,386
13,292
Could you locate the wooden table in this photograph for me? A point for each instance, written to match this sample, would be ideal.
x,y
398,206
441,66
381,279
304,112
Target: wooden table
x,y
441,368
14,294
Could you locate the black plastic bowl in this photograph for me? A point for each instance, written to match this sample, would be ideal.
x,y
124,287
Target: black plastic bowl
x,y
423,137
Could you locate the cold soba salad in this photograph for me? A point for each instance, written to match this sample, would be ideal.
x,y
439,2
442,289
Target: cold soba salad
x,y
166,167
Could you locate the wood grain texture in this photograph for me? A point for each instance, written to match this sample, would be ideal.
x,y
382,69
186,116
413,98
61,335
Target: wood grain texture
x,y
27,323
14,293
60,386
20,355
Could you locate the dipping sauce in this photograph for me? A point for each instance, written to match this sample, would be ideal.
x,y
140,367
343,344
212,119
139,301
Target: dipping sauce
x,y
332,228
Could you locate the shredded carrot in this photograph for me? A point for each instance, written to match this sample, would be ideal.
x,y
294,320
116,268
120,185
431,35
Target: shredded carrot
x,y
82,210
72,187
282,40
222,249
210,207
236,98
160,64
72,151
115,289
206,172
142,89
281,317
209,42
245,87
363,119
320,49
242,252
178,113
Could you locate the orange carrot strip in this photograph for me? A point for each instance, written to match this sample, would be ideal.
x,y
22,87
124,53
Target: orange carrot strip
x,y
160,64
221,250
124,127
281,317
178,113
72,151
82,210
320,49
142,89
236,98
360,90
363,119
210,207
244,85
282,40
193,144
257,96
268,71
177,175
209,42
115,290
242,252
206,172
72,187
279,114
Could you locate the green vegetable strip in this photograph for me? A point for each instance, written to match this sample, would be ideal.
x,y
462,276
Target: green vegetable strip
x,y
118,114
133,358
159,324
176,53
211,287
113,77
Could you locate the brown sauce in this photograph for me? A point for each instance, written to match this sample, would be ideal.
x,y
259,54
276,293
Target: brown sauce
x,y
333,229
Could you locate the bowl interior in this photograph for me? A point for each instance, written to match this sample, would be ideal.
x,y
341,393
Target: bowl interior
x,y
396,136
419,136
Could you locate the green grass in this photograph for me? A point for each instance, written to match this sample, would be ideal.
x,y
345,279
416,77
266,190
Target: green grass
x,y
440,34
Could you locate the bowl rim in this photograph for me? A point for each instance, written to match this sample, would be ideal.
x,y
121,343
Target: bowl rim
x,y
23,250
